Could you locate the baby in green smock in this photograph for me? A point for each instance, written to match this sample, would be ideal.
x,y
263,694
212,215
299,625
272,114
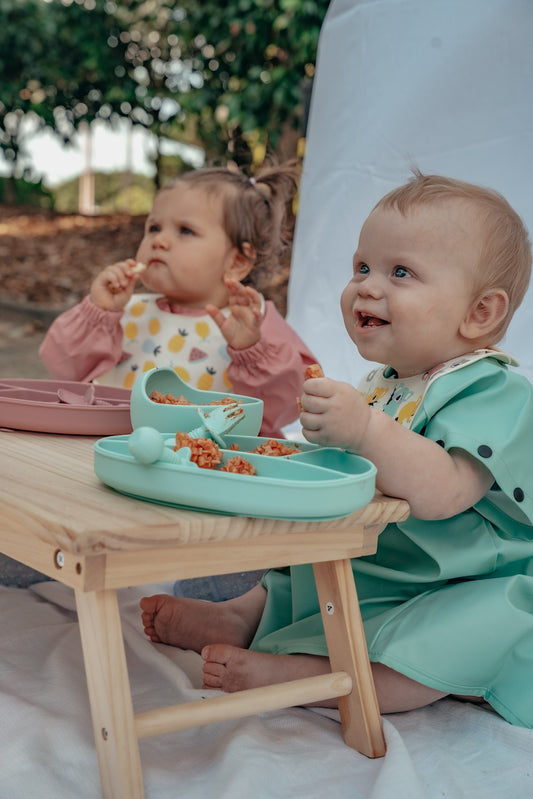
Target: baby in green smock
x,y
447,600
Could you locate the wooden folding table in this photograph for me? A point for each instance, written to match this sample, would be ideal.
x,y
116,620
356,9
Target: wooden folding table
x,y
58,518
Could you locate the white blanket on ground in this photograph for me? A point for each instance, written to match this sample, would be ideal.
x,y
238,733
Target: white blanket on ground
x,y
450,749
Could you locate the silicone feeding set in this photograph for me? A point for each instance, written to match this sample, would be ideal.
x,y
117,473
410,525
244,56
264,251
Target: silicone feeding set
x,y
201,450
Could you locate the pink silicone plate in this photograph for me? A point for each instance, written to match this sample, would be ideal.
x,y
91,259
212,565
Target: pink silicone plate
x,y
72,408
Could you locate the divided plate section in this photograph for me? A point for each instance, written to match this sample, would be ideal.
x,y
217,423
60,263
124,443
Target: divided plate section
x,y
314,484
168,418
35,405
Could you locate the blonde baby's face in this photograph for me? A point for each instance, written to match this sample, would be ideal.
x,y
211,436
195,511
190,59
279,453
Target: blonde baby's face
x,y
186,249
412,286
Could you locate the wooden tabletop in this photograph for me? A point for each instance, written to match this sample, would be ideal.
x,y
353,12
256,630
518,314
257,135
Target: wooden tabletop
x,y
50,495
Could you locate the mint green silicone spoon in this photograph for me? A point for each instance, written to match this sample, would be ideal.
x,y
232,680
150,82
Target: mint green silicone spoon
x,y
147,445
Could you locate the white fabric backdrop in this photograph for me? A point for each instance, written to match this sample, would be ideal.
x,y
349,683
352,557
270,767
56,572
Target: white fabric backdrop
x,y
443,84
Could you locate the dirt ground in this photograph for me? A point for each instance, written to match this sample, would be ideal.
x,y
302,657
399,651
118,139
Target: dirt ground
x,y
20,337
47,262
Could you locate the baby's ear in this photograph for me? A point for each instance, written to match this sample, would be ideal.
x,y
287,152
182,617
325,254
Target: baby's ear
x,y
243,262
485,314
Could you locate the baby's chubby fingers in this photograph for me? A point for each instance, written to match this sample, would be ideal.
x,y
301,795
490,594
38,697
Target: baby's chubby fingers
x,y
113,286
319,387
216,314
242,295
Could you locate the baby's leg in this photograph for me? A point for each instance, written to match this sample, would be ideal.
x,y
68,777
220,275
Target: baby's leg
x,y
229,668
194,623
397,693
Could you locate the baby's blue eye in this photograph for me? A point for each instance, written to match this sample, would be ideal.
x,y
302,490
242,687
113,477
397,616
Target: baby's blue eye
x,y
400,271
186,231
363,269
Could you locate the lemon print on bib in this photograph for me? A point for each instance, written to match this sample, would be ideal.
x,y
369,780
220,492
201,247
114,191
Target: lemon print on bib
x,y
202,329
138,308
131,330
154,326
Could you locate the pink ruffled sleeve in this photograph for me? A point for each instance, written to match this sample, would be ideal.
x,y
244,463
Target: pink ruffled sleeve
x,y
272,370
83,343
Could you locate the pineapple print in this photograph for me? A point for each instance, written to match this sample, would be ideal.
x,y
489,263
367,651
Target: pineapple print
x,y
148,365
202,329
205,381
177,342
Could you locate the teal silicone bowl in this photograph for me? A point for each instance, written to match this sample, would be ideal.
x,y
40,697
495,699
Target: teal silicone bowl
x,y
169,418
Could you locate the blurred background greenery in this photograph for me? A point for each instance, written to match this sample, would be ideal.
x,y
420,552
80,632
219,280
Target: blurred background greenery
x,y
232,79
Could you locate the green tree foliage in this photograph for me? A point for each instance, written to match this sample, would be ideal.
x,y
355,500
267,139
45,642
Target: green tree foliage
x,y
224,75
229,77
61,64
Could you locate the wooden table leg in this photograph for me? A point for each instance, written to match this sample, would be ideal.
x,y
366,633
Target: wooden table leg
x,y
361,721
110,695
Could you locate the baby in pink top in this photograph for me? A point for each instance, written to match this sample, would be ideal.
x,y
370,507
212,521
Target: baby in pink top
x,y
206,232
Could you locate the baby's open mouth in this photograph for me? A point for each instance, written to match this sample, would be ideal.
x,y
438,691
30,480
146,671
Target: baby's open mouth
x,y
365,320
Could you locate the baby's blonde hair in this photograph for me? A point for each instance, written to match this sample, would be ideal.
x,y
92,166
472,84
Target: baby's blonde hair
x,y
505,258
255,211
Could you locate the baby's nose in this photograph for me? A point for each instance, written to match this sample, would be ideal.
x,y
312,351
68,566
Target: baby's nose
x,y
160,240
371,286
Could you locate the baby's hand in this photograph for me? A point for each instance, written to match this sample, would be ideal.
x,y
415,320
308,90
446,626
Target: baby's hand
x,y
333,414
242,328
113,286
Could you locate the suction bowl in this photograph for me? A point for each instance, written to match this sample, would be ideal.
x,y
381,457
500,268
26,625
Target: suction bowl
x,y
169,418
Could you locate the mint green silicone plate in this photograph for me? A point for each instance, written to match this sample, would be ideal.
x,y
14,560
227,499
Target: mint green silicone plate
x,y
169,418
314,484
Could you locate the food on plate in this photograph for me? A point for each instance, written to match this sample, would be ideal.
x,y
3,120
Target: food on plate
x,y
238,465
275,448
170,399
204,451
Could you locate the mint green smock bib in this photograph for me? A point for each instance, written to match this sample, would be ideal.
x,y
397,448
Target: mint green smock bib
x,y
448,603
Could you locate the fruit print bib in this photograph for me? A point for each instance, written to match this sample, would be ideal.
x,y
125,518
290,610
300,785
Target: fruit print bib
x,y
401,397
191,343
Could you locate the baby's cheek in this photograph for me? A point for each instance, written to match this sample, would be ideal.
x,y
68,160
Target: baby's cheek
x,y
347,310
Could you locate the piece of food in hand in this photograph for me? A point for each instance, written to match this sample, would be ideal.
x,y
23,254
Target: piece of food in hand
x,y
313,370
275,448
138,268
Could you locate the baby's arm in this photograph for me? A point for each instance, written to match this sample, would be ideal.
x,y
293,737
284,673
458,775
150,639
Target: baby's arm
x,y
242,328
436,483
83,343
113,286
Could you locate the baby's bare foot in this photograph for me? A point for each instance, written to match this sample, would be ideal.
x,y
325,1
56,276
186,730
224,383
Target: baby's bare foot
x,y
193,623
229,668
